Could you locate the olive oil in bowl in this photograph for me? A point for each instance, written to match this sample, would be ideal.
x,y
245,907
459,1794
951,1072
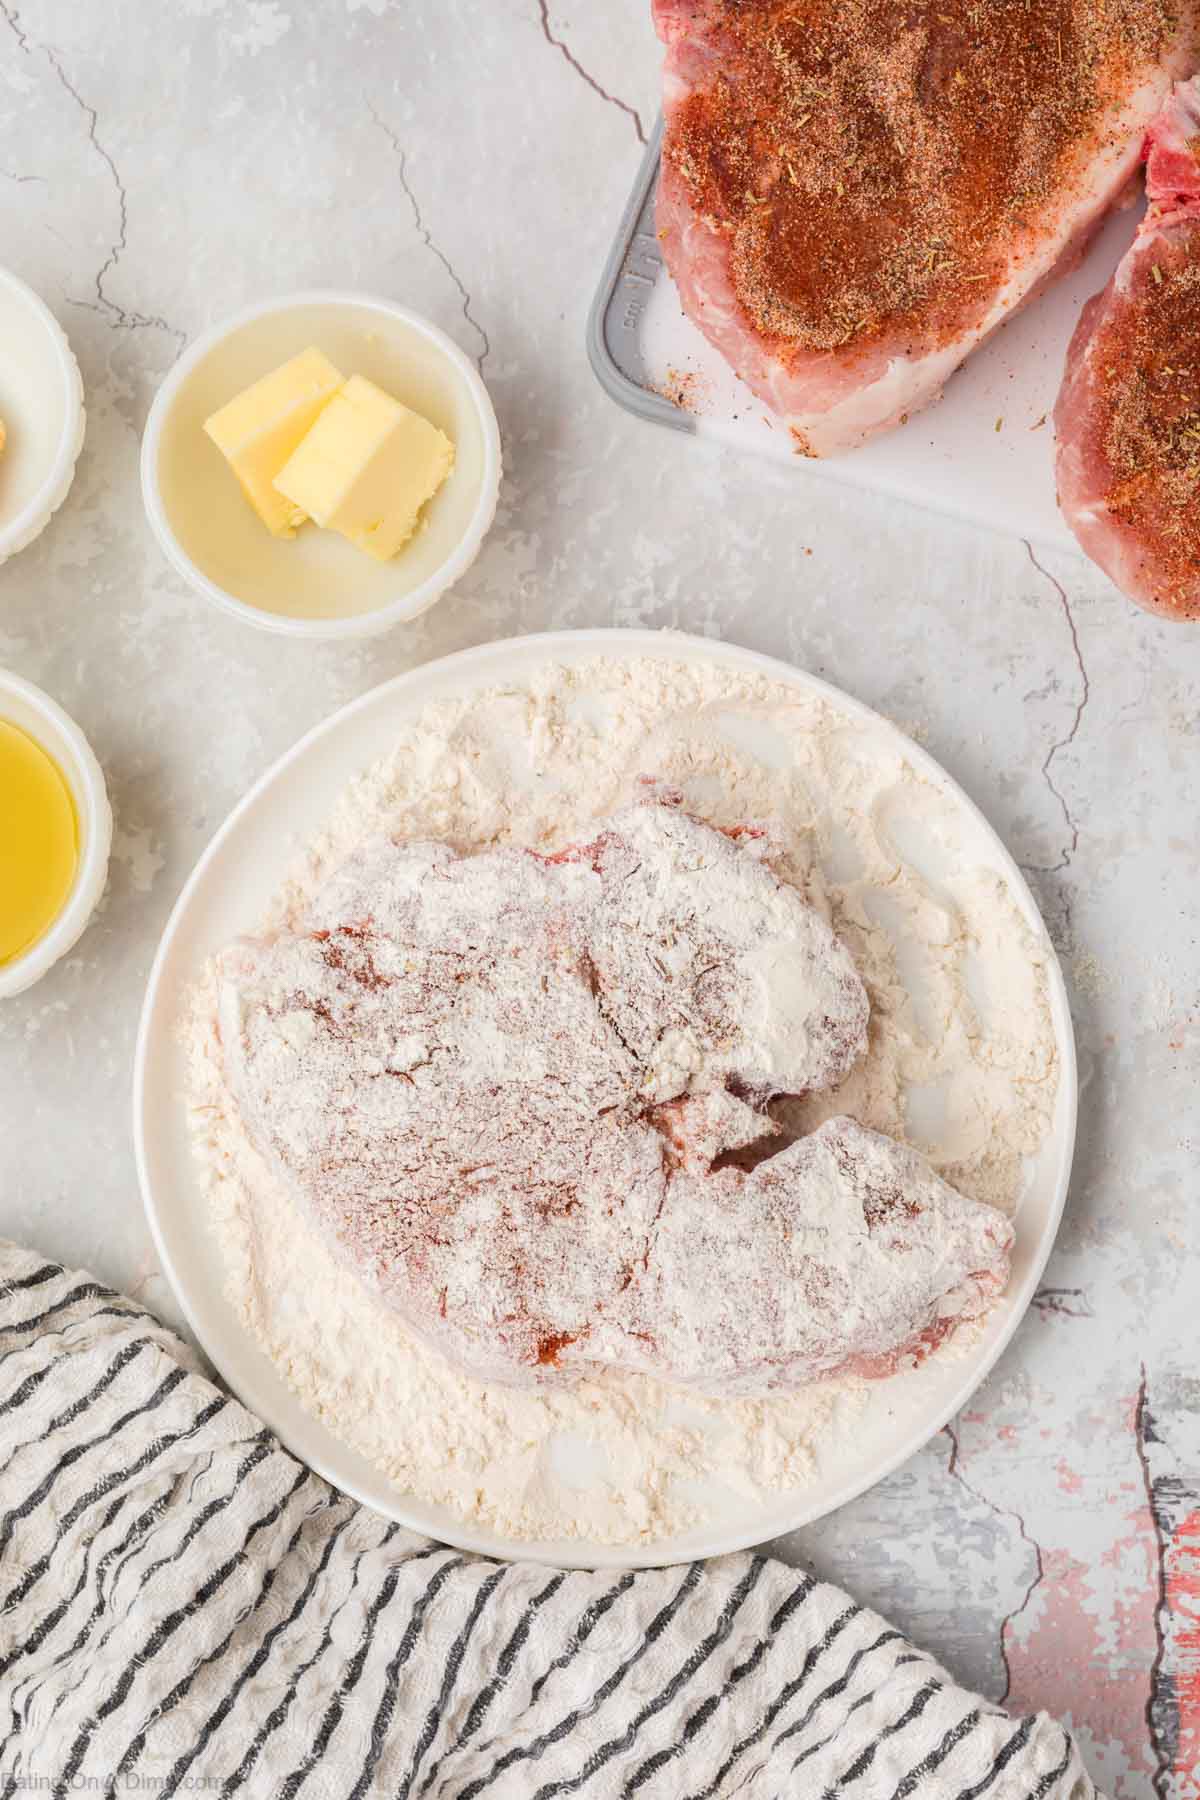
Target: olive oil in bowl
x,y
39,842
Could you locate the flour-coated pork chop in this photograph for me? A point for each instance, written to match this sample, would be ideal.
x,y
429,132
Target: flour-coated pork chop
x,y
508,1088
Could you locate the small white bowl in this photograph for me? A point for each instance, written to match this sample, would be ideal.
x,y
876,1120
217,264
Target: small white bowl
x,y
317,585
26,706
41,404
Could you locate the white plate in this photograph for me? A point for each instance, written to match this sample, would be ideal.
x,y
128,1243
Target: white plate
x,y
230,890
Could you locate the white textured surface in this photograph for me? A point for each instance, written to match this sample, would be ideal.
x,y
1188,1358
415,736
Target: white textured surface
x,y
259,146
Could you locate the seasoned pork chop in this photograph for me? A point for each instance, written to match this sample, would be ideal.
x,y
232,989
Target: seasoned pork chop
x,y
1128,415
512,1090
855,193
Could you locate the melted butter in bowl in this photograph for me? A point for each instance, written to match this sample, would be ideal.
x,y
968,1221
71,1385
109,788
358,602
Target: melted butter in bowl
x,y
318,585
39,842
55,833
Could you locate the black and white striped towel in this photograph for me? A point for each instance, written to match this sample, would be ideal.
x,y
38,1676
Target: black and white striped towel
x,y
183,1607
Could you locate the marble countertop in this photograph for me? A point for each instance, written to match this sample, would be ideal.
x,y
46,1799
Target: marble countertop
x,y
161,167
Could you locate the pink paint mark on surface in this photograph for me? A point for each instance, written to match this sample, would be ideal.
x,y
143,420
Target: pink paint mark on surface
x,y
1083,1653
1059,1659
1182,1591
1069,1479
1053,1656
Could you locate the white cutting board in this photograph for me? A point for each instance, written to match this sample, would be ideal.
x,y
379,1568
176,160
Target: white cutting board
x,y
984,452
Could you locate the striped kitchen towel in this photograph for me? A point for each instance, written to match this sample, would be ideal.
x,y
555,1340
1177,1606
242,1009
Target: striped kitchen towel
x,y
184,1607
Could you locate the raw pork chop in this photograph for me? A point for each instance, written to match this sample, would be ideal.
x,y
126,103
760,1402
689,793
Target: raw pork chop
x,y
1128,415
512,1090
854,193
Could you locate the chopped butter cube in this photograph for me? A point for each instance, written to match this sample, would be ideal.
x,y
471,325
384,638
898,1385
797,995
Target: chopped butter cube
x,y
258,431
367,468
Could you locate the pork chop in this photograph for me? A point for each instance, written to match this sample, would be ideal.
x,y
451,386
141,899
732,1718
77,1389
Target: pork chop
x,y
855,193
1128,414
511,1090
843,1254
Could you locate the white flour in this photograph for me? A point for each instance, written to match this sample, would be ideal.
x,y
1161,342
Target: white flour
x,y
961,1063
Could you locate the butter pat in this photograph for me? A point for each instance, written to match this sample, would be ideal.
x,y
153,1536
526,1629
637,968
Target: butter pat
x,y
367,468
258,431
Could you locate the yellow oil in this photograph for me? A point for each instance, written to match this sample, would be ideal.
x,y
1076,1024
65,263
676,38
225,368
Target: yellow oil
x,y
39,842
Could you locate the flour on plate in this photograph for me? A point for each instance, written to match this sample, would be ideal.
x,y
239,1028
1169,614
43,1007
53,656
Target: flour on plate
x,y
961,1063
